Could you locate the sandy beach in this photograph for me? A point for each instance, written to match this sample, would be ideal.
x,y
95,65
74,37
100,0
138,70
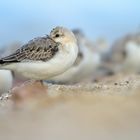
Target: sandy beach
x,y
108,109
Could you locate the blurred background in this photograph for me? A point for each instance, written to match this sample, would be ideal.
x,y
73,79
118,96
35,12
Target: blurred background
x,y
24,20
103,101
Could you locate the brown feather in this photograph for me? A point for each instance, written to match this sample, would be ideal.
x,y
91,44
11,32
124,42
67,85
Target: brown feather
x,y
38,49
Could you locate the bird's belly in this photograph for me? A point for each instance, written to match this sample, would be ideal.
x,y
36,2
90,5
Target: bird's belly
x,y
38,71
44,70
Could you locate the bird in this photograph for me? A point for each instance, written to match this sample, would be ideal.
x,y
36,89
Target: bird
x,y
6,80
131,62
7,50
103,46
83,68
6,77
125,54
44,57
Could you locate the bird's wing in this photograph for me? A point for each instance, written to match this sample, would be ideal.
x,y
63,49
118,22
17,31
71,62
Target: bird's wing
x,y
38,49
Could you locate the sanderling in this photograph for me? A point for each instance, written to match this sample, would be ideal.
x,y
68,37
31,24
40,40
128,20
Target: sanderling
x,y
131,62
125,54
6,79
85,64
44,57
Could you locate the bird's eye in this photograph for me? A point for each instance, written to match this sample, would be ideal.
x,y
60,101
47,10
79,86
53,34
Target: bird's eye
x,y
57,35
50,46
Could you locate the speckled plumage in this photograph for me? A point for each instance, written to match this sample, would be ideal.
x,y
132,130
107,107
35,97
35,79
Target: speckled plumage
x,y
38,49
44,57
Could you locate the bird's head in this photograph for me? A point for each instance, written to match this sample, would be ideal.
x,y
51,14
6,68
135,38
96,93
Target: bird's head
x,y
63,35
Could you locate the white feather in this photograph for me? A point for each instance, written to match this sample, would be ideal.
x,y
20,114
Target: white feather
x,y
5,81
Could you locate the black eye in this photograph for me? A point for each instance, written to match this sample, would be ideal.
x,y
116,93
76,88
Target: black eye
x,y
50,46
57,35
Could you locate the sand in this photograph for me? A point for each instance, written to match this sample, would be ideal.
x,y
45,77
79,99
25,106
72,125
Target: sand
x,y
109,109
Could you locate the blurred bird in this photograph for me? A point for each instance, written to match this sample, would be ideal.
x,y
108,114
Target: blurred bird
x,y
125,54
44,57
7,50
102,47
85,65
132,60
6,79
